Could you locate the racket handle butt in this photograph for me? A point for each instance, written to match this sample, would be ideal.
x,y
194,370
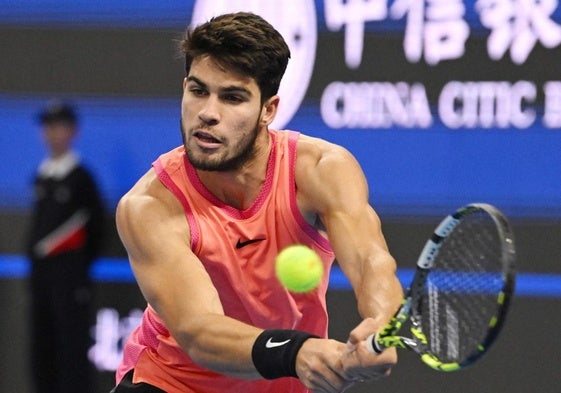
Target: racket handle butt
x,y
373,345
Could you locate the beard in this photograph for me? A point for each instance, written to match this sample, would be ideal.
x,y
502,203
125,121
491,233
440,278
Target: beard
x,y
231,160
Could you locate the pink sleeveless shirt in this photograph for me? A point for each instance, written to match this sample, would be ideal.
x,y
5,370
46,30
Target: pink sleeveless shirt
x,y
237,248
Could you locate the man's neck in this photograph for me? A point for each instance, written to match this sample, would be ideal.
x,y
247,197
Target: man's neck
x,y
239,188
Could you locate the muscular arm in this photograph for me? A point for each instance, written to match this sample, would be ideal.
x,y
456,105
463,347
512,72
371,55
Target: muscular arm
x,y
153,228
331,182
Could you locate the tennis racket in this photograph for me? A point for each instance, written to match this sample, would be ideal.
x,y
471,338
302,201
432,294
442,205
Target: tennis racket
x,y
460,293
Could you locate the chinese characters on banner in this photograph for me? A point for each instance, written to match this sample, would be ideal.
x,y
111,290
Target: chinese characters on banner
x,y
436,31
110,333
517,25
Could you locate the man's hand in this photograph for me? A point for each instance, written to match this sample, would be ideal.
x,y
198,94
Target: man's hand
x,y
359,364
319,366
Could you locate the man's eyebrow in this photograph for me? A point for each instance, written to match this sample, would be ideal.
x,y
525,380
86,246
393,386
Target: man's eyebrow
x,y
196,80
227,89
236,89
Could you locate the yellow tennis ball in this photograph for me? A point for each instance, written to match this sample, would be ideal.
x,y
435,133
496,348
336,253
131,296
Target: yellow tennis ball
x,y
299,268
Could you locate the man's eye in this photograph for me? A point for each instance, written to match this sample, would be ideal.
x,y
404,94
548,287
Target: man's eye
x,y
233,98
197,91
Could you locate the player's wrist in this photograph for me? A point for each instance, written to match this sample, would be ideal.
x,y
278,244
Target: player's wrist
x,y
274,352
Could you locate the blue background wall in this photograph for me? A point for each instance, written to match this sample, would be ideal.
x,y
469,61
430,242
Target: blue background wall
x,y
117,62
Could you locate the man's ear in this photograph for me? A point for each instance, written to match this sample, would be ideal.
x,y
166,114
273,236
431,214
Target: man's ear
x,y
269,110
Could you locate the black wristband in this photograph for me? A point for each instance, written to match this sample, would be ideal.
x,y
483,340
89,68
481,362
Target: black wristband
x,y
274,352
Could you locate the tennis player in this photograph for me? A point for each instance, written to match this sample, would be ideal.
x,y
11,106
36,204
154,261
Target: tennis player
x,y
203,226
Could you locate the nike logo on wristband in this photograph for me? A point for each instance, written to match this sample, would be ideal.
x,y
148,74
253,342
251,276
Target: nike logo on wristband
x,y
272,344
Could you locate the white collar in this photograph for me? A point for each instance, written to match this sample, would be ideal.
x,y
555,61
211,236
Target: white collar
x,y
59,167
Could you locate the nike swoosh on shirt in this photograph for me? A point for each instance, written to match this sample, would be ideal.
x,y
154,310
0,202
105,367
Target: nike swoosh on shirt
x,y
241,244
273,344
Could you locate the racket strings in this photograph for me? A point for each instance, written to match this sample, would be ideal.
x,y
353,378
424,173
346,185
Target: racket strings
x,y
460,298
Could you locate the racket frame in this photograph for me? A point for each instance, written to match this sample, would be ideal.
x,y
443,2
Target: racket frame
x,y
387,337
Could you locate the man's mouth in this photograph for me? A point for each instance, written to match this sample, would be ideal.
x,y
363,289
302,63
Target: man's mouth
x,y
206,140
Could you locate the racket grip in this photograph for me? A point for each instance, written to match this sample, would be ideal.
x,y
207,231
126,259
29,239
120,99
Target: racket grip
x,y
373,345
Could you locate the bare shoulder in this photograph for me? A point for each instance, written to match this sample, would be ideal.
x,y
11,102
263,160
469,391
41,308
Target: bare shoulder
x,y
325,174
145,195
145,210
312,152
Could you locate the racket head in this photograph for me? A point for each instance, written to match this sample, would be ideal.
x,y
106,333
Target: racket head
x,y
462,289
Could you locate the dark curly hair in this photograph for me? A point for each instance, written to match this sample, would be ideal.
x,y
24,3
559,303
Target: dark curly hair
x,y
242,41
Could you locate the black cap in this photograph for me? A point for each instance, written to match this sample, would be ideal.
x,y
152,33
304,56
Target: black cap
x,y
58,111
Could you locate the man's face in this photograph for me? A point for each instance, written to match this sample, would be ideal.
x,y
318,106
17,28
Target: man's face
x,y
221,115
58,137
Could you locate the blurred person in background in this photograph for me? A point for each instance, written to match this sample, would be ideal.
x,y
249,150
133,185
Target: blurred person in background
x,y
63,240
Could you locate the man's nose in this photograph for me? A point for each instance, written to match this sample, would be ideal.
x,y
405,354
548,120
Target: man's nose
x,y
210,113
